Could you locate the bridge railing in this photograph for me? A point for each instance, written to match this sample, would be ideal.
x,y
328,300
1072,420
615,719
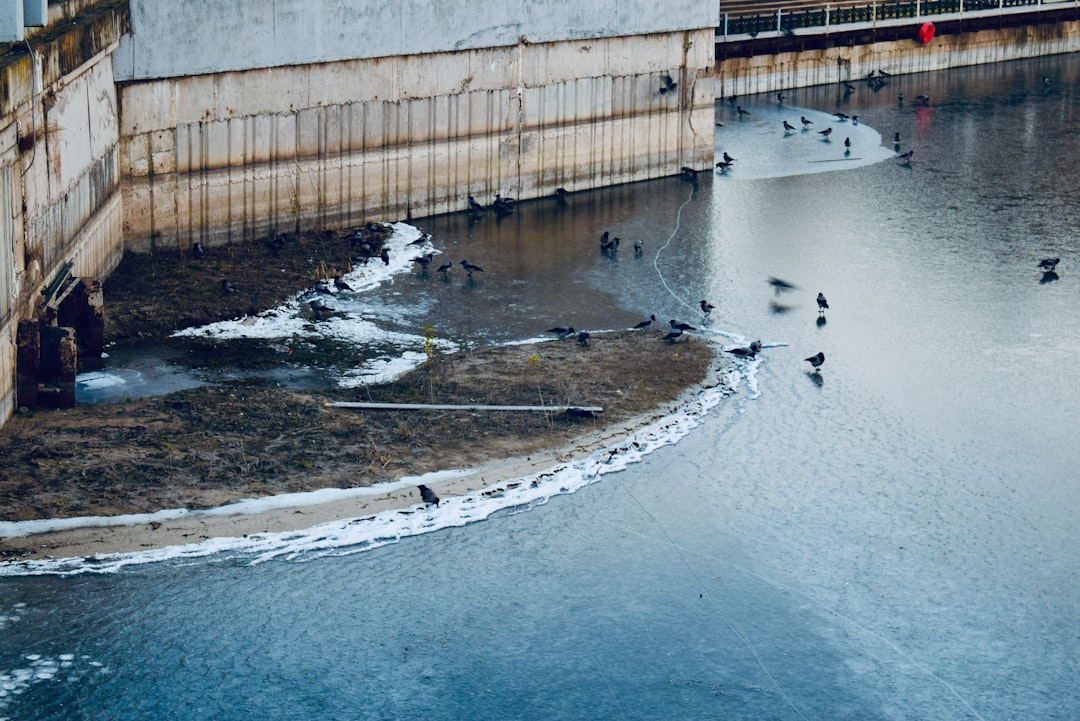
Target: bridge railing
x,y
753,17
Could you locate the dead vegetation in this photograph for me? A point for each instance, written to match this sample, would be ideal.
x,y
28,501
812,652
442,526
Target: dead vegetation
x,y
210,445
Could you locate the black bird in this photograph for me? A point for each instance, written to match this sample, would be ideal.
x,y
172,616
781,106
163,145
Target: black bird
x,y
847,143
741,111
732,98
741,352
385,255
340,284
780,285
728,158
668,85
1049,264
900,99
822,304
609,243
428,495
896,139
445,267
475,206
674,336
882,73
424,238
906,157
780,98
227,287
560,195
816,360
825,133
788,127
583,337
841,116
560,331
854,119
924,100
471,268
322,288
689,173
645,323
503,206
424,260
639,247
806,123
197,250
707,307
675,325
722,166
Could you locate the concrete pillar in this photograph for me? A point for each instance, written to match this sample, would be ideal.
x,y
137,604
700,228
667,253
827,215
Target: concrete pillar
x,y
56,370
28,352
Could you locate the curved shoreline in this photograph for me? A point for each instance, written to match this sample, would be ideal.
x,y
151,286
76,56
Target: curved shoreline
x,y
195,527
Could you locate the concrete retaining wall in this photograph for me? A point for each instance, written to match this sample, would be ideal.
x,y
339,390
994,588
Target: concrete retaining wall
x,y
60,201
773,72
238,155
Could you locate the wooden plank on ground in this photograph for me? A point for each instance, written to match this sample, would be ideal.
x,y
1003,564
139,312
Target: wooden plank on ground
x,y
460,407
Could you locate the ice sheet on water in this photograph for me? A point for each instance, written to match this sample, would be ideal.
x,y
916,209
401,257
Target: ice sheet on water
x,y
64,668
764,150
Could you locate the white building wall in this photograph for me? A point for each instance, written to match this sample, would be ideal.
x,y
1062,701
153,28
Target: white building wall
x,y
193,37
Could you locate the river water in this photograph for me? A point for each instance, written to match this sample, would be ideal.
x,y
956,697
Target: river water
x,y
891,538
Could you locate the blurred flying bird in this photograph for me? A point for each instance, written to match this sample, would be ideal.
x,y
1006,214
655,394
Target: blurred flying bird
x,y
780,285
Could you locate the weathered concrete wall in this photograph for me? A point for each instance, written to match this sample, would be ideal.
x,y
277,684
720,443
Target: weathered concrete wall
x,y
191,37
237,155
772,72
60,203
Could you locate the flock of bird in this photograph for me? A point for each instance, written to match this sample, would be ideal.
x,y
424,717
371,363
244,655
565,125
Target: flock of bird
x,y
678,330
875,79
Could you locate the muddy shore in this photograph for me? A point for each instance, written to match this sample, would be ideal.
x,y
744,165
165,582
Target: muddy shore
x,y
213,445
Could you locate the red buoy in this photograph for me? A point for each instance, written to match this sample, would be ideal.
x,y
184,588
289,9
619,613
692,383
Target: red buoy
x,y
926,33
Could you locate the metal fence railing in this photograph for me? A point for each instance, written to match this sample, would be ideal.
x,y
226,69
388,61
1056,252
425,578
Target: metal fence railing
x,y
747,17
